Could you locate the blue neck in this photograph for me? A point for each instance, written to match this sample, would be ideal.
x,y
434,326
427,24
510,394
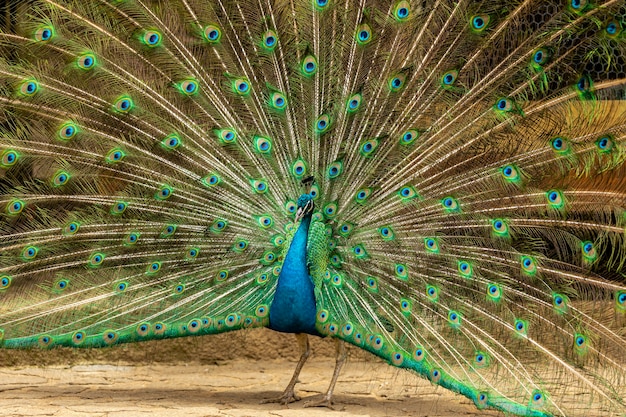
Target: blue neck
x,y
293,308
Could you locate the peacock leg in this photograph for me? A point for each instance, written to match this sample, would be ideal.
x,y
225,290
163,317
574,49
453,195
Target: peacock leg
x,y
326,400
289,395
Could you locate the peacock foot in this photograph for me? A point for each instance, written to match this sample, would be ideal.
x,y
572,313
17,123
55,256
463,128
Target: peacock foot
x,y
289,396
325,401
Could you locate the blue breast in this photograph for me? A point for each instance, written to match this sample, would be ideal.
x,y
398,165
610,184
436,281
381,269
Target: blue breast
x,y
293,308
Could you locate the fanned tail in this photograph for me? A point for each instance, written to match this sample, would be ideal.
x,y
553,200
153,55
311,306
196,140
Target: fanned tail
x,y
469,181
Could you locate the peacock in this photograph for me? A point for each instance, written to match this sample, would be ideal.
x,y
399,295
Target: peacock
x,y
440,183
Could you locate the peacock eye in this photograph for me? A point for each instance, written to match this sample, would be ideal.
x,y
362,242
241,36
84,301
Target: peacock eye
x,y
259,186
152,38
605,144
5,281
262,144
123,104
449,78
503,104
322,124
29,87
402,11
479,23
611,28
396,82
270,39
44,34
320,5
363,34
15,207
555,198
309,66
212,33
86,61
241,86
61,178
8,158
228,135
189,87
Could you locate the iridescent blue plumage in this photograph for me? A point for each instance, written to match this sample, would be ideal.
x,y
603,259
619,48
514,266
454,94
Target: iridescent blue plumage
x,y
293,309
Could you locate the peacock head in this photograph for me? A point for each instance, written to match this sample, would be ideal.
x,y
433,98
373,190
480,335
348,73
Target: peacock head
x,y
305,206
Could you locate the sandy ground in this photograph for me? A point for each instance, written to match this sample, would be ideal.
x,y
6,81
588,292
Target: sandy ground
x,y
223,375
233,389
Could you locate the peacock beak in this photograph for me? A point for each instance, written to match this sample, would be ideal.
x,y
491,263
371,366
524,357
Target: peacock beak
x,y
302,211
299,214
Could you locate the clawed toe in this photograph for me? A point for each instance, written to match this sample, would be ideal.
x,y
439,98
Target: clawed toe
x,y
323,402
286,398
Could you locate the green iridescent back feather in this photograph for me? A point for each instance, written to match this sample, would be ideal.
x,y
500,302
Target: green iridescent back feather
x,y
469,165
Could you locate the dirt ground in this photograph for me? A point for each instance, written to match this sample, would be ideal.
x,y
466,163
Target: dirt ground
x,y
222,375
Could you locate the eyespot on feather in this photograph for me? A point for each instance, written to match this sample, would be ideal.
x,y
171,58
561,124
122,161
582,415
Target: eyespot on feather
x,y
212,34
